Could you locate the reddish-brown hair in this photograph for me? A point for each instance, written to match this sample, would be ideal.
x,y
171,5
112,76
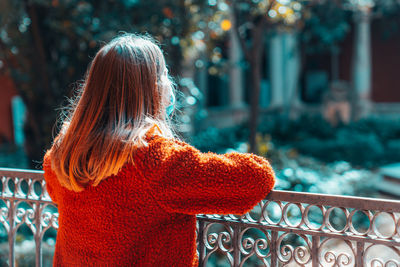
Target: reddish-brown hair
x,y
125,92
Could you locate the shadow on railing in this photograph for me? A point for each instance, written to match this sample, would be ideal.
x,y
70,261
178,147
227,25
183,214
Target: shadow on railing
x,y
286,229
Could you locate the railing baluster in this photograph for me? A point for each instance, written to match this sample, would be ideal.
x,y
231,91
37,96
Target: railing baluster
x,y
274,248
360,254
11,234
38,235
202,247
315,251
235,243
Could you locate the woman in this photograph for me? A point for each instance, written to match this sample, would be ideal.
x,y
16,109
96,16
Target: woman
x,y
127,190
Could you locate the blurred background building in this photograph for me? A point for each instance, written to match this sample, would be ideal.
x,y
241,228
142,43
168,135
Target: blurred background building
x,y
366,56
305,83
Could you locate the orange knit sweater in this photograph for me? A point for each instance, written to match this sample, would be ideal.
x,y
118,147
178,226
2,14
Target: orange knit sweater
x,y
145,215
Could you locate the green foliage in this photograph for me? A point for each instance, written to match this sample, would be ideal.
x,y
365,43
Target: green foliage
x,y
218,140
367,143
325,25
364,143
283,130
393,149
359,148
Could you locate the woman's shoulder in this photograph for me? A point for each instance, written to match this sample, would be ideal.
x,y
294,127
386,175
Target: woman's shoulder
x,y
156,140
158,145
49,174
52,183
46,166
162,153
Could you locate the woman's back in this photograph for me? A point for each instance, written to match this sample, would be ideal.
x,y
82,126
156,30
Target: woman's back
x,y
104,224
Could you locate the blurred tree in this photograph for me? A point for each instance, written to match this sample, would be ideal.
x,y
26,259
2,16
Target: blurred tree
x,y
46,46
325,24
387,11
252,21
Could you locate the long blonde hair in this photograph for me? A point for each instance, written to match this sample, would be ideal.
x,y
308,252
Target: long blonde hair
x,y
126,91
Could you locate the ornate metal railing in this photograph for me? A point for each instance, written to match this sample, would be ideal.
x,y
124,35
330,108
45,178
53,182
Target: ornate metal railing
x,y
24,201
302,229
286,229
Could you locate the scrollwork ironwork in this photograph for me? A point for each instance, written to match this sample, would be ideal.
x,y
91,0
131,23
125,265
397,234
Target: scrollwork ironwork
x,y
392,258
221,241
300,254
254,246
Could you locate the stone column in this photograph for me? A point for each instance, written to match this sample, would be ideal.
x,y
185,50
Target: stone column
x,y
275,61
362,67
291,70
235,71
284,67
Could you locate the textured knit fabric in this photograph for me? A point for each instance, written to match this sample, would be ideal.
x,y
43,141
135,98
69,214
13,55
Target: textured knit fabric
x,y
145,215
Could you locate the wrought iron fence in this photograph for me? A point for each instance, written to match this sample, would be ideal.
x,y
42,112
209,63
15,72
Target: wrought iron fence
x,y
286,229
302,229
24,201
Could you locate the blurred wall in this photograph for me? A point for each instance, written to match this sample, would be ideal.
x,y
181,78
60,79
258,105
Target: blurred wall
x,y
385,64
7,91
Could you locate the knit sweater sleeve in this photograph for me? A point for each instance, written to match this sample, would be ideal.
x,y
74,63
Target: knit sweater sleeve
x,y
184,180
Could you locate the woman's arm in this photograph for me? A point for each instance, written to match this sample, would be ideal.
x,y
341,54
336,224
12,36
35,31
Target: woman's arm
x,y
184,180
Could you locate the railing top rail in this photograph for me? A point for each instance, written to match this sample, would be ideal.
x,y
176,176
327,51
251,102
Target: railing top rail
x,y
361,203
21,173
